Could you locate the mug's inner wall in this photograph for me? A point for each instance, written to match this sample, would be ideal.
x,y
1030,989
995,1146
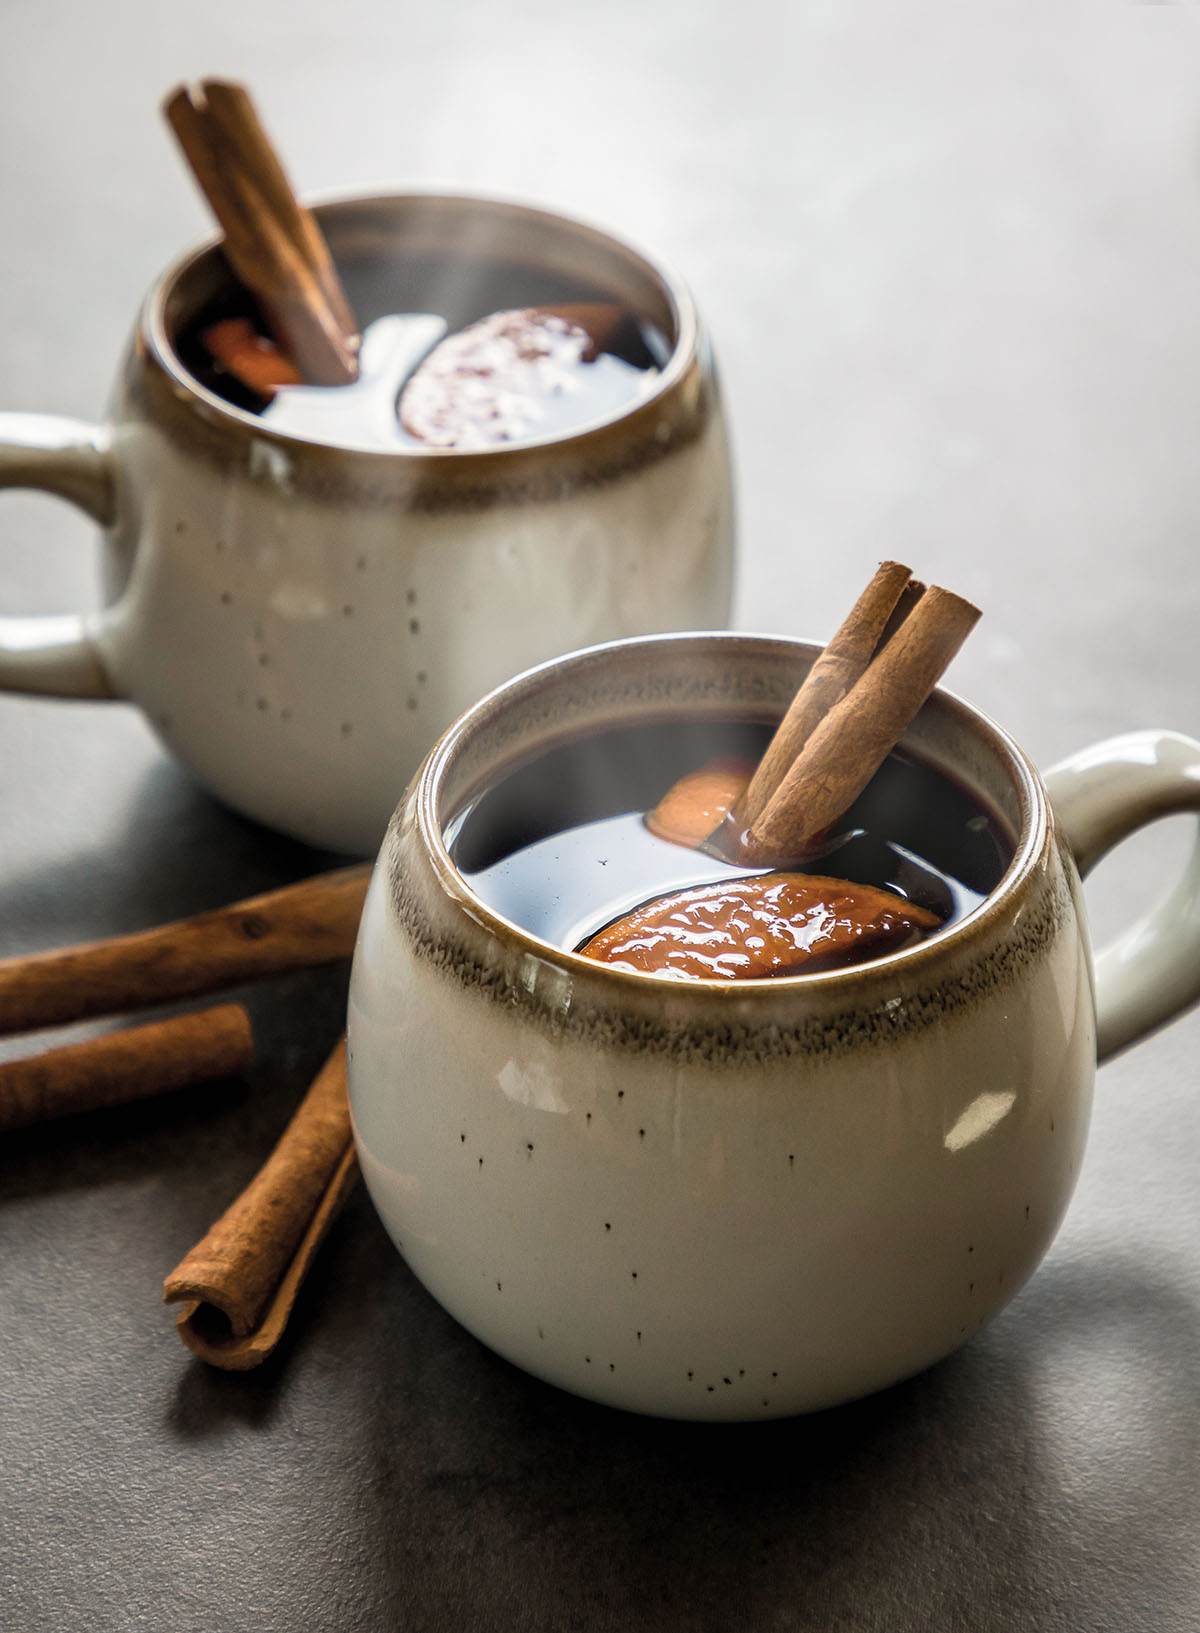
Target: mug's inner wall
x,y
697,678
460,258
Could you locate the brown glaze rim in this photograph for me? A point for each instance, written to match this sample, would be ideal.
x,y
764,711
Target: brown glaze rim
x,y
900,992
669,418
704,1034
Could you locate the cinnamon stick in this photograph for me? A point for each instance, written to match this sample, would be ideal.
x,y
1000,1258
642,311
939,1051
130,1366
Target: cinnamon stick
x,y
131,1064
850,743
274,245
295,927
236,117
852,708
909,596
238,1285
832,675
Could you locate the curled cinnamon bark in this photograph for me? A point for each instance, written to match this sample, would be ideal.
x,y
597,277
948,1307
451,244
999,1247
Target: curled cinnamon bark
x,y
832,675
848,744
132,1064
238,1285
852,708
273,243
295,927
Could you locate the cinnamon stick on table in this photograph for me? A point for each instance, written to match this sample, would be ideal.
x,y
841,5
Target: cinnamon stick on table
x,y
132,1064
314,921
237,1286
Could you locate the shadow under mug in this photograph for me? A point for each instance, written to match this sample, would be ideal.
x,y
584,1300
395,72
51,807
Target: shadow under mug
x,y
299,620
738,1200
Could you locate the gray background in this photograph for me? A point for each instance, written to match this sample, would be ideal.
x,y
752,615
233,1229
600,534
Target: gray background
x,y
949,254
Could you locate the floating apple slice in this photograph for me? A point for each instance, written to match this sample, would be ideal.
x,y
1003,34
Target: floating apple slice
x,y
771,924
518,374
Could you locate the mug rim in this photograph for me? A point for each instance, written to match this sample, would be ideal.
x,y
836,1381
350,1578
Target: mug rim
x,y
982,921
675,289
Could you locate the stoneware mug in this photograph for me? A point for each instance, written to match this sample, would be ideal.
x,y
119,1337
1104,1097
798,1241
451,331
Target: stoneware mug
x,y
299,613
723,1200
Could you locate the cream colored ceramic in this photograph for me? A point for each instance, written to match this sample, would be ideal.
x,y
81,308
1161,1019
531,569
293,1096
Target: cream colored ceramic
x,y
298,620
731,1201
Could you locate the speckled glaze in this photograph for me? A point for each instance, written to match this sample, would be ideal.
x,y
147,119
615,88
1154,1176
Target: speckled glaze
x,y
299,621
722,1200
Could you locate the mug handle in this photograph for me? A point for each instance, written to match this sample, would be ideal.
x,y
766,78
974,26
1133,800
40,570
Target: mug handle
x,y
1151,973
56,656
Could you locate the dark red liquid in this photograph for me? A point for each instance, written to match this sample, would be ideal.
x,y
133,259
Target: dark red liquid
x,y
560,846
405,308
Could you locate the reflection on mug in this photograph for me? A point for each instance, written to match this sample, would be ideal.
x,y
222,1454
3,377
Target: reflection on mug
x,y
704,1194
304,586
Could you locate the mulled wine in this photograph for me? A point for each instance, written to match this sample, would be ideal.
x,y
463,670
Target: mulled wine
x,y
560,845
439,367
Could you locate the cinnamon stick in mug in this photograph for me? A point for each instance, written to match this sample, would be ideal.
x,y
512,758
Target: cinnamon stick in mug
x,y
131,1064
849,744
832,675
273,243
859,696
237,1286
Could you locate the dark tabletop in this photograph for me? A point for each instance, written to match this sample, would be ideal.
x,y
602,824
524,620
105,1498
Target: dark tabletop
x,y
951,259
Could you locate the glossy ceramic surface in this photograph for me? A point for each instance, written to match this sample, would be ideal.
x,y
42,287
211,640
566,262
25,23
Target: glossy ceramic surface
x,y
707,1199
300,621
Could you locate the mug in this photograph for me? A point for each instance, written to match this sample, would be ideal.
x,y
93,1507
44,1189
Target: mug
x,y
740,1200
298,615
